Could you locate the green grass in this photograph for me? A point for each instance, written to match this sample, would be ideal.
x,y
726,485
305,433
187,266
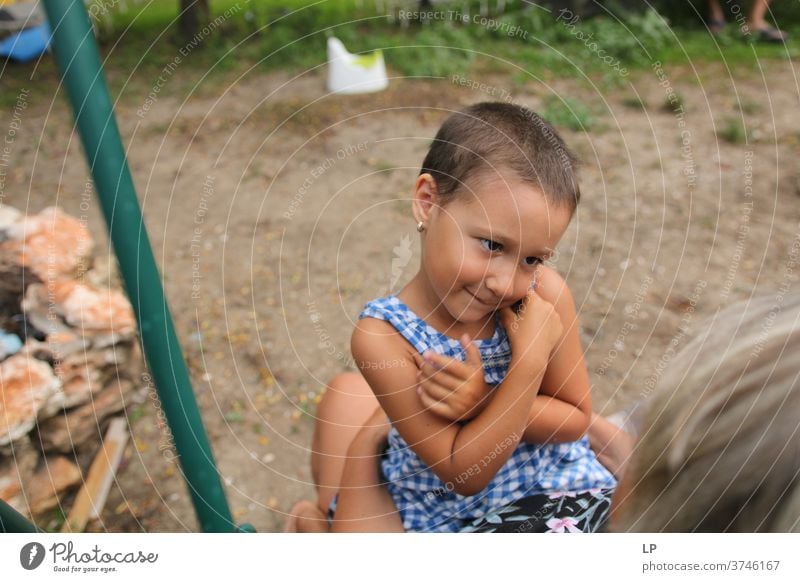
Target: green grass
x,y
733,131
674,103
54,521
291,34
634,102
749,107
568,113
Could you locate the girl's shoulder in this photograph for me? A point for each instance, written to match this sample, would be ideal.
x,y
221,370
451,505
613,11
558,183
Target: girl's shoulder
x,y
378,344
389,316
394,311
382,308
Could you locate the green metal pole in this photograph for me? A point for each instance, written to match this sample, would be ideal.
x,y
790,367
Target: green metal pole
x,y
12,521
82,73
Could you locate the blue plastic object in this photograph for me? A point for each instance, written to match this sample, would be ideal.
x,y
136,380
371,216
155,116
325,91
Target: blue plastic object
x,y
27,44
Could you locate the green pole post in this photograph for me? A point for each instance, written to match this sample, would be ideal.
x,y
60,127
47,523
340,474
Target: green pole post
x,y
11,521
82,73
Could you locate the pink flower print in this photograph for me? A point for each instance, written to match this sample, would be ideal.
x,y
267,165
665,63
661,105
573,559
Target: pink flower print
x,y
560,494
557,525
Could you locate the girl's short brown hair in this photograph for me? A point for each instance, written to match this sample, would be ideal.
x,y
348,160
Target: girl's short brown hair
x,y
492,135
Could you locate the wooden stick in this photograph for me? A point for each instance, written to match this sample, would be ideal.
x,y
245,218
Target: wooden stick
x,y
92,496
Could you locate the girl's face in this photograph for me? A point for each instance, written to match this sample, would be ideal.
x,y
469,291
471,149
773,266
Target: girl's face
x,y
480,251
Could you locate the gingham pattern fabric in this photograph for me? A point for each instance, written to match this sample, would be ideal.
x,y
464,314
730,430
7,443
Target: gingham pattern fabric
x,y
424,501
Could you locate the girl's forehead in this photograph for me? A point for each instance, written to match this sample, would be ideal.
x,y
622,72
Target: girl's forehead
x,y
507,200
499,182
515,210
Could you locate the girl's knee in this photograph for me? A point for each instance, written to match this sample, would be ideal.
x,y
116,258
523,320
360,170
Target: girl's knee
x,y
349,383
346,391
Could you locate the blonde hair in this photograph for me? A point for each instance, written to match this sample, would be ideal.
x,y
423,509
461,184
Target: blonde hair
x,y
720,449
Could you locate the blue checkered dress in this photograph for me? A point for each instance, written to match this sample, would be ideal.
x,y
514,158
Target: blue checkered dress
x,y
424,501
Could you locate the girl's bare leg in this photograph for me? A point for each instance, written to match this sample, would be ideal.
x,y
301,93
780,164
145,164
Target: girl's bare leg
x,y
345,407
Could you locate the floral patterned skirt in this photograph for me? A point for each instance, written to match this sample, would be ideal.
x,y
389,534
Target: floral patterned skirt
x,y
560,512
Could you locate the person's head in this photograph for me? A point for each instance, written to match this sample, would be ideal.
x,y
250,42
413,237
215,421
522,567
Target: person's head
x,y
495,194
720,449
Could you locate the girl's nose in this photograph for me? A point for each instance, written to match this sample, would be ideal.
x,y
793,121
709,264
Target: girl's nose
x,y
501,285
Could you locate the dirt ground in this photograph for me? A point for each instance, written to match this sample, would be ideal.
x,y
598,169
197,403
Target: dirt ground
x,y
276,212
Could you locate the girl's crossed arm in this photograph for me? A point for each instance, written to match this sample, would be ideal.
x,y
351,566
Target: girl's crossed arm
x,y
561,411
457,453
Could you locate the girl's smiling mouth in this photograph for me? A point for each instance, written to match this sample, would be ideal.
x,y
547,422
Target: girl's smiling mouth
x,y
481,301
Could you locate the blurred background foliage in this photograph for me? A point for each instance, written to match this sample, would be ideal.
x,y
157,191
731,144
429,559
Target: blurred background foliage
x,y
140,37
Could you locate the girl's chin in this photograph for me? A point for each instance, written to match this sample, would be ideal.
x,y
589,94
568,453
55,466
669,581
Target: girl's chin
x,y
475,312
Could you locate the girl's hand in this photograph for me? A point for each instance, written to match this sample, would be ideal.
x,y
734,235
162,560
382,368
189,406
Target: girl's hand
x,y
453,389
534,330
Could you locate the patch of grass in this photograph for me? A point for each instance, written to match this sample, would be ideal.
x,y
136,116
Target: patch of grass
x,y
633,40
386,166
234,417
696,45
634,102
733,131
519,79
749,107
54,520
568,113
306,409
136,413
674,103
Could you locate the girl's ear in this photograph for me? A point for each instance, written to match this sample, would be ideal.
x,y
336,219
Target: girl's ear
x,y
426,198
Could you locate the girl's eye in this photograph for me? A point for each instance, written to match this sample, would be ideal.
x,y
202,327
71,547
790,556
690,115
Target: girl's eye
x,y
496,247
532,261
490,245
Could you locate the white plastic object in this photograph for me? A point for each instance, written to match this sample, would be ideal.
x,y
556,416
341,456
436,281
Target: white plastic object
x,y
349,73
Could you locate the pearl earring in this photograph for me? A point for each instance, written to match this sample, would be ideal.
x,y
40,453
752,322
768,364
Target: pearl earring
x,y
420,226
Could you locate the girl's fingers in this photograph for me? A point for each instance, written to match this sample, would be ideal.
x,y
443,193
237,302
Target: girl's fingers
x,y
473,354
445,364
427,400
446,377
435,391
435,406
447,383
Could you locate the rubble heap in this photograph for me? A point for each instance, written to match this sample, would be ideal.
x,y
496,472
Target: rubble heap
x,y
69,357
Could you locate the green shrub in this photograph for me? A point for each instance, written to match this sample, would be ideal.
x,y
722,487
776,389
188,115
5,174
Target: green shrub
x,y
733,131
568,113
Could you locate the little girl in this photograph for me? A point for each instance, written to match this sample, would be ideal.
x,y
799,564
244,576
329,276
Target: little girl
x,y
481,376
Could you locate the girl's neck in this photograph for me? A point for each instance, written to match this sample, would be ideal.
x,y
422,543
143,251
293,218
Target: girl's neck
x,y
422,300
